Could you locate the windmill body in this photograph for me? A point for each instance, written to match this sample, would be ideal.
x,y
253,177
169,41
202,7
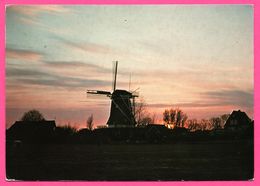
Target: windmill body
x,y
121,111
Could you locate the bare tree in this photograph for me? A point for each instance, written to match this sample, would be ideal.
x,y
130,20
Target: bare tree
x,y
172,114
142,116
205,124
184,119
216,122
179,117
166,116
139,111
90,123
146,120
175,117
32,115
193,125
153,118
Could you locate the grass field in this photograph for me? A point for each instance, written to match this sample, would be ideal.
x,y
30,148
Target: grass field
x,y
216,160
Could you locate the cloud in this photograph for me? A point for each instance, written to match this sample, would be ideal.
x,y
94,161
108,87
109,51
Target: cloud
x,y
31,15
29,21
36,77
236,98
232,97
22,54
197,78
86,46
35,10
83,69
18,72
65,82
77,64
182,105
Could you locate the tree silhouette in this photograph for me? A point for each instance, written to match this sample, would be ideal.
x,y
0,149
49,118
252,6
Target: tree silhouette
x,y
175,117
172,114
179,117
166,116
216,122
193,125
184,119
205,124
146,120
142,116
90,122
32,115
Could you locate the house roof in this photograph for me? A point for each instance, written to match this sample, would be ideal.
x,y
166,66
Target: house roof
x,y
43,122
241,118
32,124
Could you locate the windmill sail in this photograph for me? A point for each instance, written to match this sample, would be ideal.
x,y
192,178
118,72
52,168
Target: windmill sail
x,y
115,74
98,92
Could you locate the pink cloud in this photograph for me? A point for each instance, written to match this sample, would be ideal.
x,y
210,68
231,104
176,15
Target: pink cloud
x,y
27,55
29,15
29,21
88,47
36,10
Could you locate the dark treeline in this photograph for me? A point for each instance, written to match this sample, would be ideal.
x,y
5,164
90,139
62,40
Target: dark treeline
x,y
33,128
147,134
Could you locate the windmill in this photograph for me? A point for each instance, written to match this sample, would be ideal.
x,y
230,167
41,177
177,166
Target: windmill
x,y
121,110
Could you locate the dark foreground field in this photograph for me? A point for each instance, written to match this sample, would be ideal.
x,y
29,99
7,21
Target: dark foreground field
x,y
216,160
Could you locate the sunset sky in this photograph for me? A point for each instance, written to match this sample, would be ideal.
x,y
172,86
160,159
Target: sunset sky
x,y
197,58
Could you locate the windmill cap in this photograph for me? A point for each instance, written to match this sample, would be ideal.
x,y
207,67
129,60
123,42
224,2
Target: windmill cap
x,y
121,92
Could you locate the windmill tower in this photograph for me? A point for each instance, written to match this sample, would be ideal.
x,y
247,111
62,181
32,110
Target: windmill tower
x,y
121,110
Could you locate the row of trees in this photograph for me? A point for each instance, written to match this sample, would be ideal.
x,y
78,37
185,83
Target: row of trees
x,y
173,117
177,118
207,124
